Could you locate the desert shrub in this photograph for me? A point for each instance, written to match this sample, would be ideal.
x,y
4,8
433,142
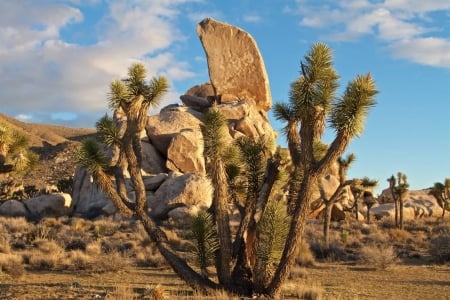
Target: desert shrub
x,y
110,262
334,252
41,232
305,256
48,247
94,248
17,225
80,225
76,260
301,290
440,247
149,258
12,264
399,236
75,244
42,261
298,273
156,292
380,256
376,237
105,227
122,292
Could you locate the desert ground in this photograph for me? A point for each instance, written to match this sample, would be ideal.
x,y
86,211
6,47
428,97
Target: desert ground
x,y
111,258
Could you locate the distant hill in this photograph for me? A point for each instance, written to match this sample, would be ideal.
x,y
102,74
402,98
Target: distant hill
x,y
54,144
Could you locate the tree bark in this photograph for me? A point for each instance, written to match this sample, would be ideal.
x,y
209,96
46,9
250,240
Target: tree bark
x,y
326,223
400,225
296,230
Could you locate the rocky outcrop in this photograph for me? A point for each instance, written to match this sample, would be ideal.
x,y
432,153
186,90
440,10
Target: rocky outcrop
x,y
14,208
191,191
172,144
418,204
51,205
236,67
175,132
88,200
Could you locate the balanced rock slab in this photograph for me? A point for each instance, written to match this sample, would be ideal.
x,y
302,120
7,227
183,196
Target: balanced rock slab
x,y
236,67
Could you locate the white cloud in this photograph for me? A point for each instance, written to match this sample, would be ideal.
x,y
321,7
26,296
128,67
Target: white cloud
x,y
41,72
23,117
406,26
252,18
427,51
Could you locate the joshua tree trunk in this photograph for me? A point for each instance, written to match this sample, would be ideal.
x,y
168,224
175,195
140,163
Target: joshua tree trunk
x,y
327,222
296,230
396,212
400,224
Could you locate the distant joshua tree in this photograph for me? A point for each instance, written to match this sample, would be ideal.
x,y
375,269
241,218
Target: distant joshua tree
x,y
441,191
399,189
15,155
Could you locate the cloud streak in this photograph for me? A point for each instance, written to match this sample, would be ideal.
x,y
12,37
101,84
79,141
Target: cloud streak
x,y
43,75
405,26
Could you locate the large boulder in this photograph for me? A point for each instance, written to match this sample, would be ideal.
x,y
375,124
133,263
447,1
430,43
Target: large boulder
x,y
52,205
186,142
152,160
244,117
14,208
387,210
186,190
88,200
423,204
176,133
236,67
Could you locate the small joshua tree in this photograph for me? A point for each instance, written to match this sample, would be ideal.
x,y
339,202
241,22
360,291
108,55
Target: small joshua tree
x,y
441,191
399,189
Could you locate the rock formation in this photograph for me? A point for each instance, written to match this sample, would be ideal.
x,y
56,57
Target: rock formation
x,y
236,67
173,162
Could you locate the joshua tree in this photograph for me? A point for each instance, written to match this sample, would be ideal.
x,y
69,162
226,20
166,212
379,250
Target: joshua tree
x,y
344,164
312,97
15,155
369,201
360,188
399,189
441,191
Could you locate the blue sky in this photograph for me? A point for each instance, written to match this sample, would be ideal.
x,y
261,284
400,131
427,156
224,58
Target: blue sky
x,y
58,57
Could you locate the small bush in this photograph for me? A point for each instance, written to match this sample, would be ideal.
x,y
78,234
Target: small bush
x,y
305,256
303,291
12,265
40,261
156,293
440,247
148,258
380,256
111,262
76,260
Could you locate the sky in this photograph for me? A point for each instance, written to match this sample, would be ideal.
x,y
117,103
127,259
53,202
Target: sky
x,y
57,58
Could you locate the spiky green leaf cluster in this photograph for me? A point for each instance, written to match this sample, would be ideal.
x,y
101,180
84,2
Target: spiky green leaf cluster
x,y
252,153
90,156
214,134
318,82
272,231
204,238
122,92
108,131
349,112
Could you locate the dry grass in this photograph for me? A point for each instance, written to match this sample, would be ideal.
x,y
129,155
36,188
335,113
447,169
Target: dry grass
x,y
379,256
105,252
12,264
